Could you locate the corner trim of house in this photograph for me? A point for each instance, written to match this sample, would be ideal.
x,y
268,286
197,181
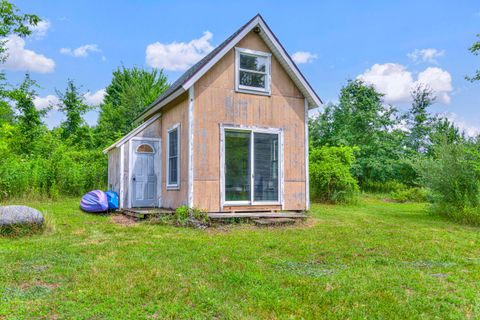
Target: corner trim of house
x,y
129,195
307,179
122,176
191,98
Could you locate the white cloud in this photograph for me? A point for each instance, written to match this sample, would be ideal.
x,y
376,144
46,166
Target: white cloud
x,y
45,102
40,30
391,79
429,55
178,55
303,57
440,81
94,99
395,81
468,128
81,51
20,58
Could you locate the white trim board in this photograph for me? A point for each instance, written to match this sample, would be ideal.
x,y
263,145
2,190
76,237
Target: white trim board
x,y
191,98
307,164
122,175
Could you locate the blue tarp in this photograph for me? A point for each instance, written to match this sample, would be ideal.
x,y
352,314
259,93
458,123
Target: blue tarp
x,y
94,201
112,199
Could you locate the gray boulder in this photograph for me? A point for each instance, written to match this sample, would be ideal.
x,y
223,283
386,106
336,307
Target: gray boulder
x,y
18,215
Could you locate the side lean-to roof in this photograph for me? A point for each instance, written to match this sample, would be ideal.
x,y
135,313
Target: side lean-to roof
x,y
185,81
190,76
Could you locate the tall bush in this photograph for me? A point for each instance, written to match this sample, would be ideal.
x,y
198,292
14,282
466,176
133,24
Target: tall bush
x,y
330,176
453,177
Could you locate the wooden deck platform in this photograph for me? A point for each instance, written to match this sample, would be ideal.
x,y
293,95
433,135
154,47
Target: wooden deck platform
x,y
256,215
144,213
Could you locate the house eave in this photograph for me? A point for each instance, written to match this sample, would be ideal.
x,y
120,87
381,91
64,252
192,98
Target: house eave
x,y
132,133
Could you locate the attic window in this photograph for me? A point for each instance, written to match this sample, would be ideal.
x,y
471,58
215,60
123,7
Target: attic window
x,y
252,71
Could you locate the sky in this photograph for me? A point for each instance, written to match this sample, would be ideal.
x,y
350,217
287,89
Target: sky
x,y
393,45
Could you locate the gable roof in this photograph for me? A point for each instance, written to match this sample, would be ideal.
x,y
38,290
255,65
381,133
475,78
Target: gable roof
x,y
132,133
186,80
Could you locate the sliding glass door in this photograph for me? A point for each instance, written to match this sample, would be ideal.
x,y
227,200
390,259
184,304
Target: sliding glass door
x,y
251,168
237,166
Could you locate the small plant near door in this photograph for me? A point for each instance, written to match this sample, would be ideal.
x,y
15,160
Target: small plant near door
x,y
186,216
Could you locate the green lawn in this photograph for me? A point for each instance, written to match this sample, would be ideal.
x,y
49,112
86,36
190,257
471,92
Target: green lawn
x,y
372,260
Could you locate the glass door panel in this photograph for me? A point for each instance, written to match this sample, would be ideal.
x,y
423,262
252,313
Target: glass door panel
x,y
237,166
266,169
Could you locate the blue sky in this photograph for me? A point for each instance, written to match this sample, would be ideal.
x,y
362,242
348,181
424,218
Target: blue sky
x,y
393,45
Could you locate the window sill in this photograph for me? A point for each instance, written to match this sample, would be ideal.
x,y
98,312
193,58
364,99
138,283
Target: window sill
x,y
173,188
257,92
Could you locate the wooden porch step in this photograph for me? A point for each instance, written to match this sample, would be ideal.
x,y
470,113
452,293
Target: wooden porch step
x,y
272,222
143,213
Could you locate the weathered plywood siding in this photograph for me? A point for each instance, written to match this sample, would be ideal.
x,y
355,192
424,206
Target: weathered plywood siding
x,y
217,102
114,170
175,112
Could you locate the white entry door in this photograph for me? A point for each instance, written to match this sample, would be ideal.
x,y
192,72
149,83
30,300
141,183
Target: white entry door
x,y
145,162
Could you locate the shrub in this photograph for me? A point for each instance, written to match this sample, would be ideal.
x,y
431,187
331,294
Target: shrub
x,y
330,176
191,217
383,187
453,177
410,195
64,172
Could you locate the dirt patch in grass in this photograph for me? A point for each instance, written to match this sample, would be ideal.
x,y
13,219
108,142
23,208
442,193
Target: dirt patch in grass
x,y
29,285
122,220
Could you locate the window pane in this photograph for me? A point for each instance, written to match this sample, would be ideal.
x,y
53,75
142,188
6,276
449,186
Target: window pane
x,y
253,63
266,167
173,142
252,79
173,171
173,157
237,166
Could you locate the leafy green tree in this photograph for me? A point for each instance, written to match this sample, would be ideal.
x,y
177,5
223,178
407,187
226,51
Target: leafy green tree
x,y
475,49
73,106
419,121
444,132
129,93
13,22
29,118
362,119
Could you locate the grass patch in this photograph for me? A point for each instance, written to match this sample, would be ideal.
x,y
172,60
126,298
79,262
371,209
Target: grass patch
x,y
373,260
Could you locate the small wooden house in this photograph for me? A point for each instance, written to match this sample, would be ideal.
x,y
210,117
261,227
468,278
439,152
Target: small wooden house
x,y
230,134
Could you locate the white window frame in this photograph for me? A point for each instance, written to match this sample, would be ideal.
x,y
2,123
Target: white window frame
x,y
252,131
174,186
268,72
